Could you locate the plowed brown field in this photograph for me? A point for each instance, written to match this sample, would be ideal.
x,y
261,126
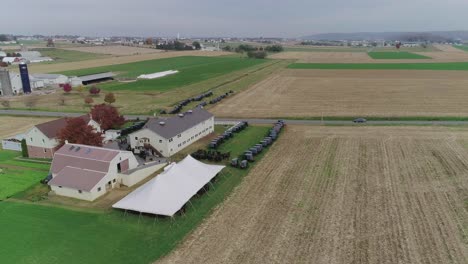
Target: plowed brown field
x,y
313,93
345,195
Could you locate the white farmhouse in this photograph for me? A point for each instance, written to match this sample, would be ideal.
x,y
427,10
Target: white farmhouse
x,y
87,172
170,135
42,138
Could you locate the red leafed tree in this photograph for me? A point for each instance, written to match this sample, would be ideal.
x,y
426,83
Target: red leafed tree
x,y
107,116
79,132
67,88
398,45
94,90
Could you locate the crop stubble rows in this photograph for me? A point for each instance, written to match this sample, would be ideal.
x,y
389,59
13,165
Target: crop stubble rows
x,y
315,93
344,195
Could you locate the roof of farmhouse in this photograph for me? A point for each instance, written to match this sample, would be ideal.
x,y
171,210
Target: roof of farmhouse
x,y
51,128
173,126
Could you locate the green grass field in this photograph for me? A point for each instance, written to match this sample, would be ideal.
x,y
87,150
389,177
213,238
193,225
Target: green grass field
x,y
448,66
383,55
192,69
34,233
61,55
462,47
17,175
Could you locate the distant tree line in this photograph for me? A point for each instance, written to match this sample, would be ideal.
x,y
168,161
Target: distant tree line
x,y
174,45
255,52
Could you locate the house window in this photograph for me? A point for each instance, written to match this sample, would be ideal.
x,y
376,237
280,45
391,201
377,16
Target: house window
x,y
43,140
179,135
60,186
31,140
136,138
113,180
99,189
170,140
45,150
160,141
79,191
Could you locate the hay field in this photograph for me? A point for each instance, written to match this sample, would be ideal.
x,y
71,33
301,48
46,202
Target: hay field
x,y
379,195
12,125
324,57
69,66
441,53
115,50
352,93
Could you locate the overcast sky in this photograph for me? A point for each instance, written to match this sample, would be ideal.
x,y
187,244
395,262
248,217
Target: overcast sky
x,y
243,18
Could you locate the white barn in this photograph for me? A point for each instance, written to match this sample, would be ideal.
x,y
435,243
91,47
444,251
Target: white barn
x,y
86,172
170,135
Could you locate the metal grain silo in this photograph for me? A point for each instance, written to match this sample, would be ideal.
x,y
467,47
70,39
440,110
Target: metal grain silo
x,y
25,78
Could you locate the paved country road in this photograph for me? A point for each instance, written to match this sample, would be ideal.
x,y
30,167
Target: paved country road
x,y
253,120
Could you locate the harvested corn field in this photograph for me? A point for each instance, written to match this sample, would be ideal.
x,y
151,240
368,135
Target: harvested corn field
x,y
345,195
351,93
115,50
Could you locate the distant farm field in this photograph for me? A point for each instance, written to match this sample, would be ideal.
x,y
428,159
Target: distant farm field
x,y
462,47
344,93
114,50
344,195
448,66
62,55
114,60
191,69
401,55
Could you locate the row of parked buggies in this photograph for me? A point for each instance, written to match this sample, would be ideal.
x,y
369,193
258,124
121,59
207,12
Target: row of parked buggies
x,y
248,156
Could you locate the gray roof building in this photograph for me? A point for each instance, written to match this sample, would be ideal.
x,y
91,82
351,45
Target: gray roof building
x,y
173,126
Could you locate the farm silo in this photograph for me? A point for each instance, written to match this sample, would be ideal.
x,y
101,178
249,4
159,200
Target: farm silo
x,y
5,83
25,78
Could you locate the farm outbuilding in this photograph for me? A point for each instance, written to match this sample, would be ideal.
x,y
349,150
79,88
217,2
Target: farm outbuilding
x,y
11,144
87,172
96,78
50,79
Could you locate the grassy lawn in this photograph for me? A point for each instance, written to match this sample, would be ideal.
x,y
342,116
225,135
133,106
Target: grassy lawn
x,y
16,176
448,66
388,55
192,69
61,55
34,233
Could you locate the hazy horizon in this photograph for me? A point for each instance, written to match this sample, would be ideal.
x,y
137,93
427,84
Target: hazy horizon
x,y
207,18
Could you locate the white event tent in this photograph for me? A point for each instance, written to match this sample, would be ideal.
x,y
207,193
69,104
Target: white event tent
x,y
169,191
